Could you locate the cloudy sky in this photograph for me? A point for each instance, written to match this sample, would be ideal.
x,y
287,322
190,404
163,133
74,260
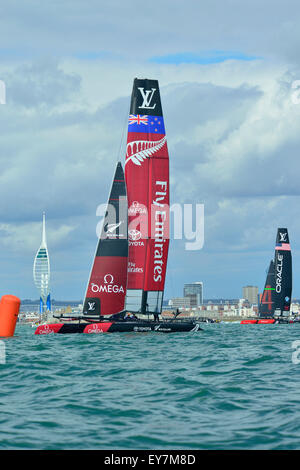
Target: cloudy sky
x,y
226,71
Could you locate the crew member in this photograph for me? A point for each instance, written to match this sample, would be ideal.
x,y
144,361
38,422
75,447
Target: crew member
x,y
130,316
156,317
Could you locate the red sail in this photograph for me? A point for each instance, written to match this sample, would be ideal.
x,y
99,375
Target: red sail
x,y
147,181
106,288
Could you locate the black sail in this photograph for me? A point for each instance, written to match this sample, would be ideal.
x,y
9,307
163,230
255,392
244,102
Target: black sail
x,y
106,288
266,306
283,272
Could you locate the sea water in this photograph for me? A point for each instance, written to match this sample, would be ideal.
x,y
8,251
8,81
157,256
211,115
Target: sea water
x,y
229,386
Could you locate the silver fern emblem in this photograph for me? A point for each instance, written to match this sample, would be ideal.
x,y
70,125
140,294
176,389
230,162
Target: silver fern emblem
x,y
139,150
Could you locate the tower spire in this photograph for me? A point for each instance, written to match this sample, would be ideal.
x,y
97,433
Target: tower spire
x,y
44,241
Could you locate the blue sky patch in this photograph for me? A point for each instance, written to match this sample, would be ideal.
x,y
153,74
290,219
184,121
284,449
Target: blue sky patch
x,y
204,58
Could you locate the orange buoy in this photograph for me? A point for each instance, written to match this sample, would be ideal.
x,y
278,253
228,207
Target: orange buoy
x,y
9,310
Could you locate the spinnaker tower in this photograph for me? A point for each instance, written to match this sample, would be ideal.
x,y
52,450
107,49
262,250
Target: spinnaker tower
x,y
41,272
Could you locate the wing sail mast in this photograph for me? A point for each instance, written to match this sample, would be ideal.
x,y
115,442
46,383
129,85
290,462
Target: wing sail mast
x,y
147,180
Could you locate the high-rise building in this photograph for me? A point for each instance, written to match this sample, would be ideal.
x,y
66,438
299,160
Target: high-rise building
x,y
41,272
195,292
250,293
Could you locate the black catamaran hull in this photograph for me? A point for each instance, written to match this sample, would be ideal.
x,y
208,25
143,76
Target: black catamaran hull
x,y
117,327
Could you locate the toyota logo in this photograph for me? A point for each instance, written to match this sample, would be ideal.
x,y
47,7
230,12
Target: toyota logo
x,y
134,234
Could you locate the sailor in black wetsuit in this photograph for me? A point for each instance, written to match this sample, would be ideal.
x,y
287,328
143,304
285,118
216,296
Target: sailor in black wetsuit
x,y
156,317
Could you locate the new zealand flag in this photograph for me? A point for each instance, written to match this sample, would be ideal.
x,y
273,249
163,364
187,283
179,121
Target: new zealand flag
x,y
147,124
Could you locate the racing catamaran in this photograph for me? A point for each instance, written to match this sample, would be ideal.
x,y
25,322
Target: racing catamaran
x,y
276,299
126,284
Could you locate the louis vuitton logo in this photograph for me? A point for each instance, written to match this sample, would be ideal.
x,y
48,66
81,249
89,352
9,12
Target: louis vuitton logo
x,y
147,96
282,237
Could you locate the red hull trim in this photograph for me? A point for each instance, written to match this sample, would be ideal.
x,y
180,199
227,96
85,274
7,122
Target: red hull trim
x,y
248,322
263,321
266,321
96,328
91,328
48,329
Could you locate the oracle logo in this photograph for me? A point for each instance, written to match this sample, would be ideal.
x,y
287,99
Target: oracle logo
x,y
279,267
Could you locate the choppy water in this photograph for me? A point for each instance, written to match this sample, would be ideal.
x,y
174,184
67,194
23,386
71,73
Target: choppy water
x,y
230,386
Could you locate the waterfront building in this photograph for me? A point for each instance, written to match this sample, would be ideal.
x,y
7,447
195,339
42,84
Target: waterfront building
x,y
194,292
250,293
180,302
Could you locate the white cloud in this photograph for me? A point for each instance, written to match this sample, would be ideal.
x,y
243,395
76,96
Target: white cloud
x,y
232,130
26,238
